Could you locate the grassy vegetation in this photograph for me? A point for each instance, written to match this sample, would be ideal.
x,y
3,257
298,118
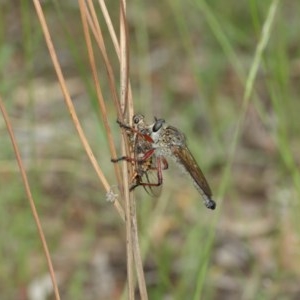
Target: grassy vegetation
x,y
226,74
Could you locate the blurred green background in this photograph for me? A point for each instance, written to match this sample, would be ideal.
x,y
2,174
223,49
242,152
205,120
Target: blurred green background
x,y
189,63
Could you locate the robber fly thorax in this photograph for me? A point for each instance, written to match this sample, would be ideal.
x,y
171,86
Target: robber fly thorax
x,y
165,137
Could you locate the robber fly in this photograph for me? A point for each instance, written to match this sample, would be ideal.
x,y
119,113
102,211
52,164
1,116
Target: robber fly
x,y
169,141
151,144
144,158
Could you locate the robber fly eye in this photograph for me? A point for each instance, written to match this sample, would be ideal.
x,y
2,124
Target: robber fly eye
x,y
158,124
137,118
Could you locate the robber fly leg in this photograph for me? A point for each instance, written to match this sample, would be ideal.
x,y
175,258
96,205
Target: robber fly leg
x,y
145,137
115,160
136,179
123,125
165,164
159,170
136,184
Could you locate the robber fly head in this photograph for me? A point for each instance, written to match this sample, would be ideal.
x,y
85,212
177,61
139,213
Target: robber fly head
x,y
156,129
157,124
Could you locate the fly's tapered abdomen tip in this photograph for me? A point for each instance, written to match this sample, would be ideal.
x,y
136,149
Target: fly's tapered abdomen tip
x,y
211,204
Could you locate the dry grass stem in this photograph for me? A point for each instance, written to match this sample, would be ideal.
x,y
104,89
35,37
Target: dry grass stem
x,y
131,225
70,104
101,102
30,198
95,28
124,109
110,27
128,196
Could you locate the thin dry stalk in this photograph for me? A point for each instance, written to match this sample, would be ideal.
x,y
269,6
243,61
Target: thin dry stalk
x,y
96,30
131,210
117,49
124,57
133,250
30,199
89,18
70,105
124,106
110,27
137,255
84,15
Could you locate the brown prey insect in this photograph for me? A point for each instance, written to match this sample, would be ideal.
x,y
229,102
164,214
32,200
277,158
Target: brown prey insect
x,y
144,158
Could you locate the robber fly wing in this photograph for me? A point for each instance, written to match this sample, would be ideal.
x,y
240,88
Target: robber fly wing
x,y
185,158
